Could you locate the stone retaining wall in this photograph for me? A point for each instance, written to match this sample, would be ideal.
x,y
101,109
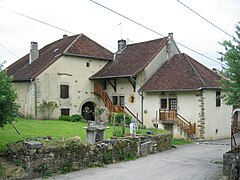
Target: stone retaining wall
x,y
73,154
231,163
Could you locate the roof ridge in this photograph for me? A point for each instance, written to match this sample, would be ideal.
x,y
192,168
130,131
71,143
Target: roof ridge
x,y
65,51
147,41
194,69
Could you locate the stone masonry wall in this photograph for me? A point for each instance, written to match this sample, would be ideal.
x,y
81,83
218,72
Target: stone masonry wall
x,y
73,154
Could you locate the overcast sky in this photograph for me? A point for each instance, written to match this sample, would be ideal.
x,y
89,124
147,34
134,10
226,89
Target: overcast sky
x,y
101,25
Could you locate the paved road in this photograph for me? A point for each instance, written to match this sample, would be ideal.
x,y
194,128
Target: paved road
x,y
188,162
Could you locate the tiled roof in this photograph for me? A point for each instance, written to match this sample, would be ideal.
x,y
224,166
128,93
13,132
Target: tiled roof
x,y
182,73
77,45
132,60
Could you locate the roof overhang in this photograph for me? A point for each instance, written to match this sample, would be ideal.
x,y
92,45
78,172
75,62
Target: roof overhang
x,y
85,56
23,80
110,77
168,90
182,90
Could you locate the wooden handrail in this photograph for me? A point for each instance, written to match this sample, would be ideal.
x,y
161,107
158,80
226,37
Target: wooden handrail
x,y
173,116
98,89
125,107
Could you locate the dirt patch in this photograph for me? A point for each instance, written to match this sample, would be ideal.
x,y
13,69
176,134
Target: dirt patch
x,y
10,169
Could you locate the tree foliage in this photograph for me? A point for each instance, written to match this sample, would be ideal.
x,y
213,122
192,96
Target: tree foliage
x,y
8,106
231,57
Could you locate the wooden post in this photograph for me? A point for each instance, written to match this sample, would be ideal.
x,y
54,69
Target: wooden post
x,y
156,116
124,120
114,123
15,128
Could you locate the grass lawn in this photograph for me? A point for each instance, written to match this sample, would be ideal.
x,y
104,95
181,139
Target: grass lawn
x,y
176,141
39,128
54,128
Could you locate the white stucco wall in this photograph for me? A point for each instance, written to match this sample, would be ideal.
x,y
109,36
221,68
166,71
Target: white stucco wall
x,y
217,119
165,54
124,88
67,70
155,64
151,106
26,98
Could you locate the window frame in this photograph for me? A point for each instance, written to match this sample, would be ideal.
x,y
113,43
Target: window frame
x,y
163,103
64,91
218,98
65,111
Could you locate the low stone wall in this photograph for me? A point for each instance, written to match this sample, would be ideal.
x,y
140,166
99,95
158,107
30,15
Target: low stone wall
x,y
231,163
73,154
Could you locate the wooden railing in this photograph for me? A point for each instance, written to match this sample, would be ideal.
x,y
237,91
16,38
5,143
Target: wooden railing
x,y
98,89
125,107
174,117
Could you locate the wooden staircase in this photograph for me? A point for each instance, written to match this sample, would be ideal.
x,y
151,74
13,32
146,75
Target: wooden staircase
x,y
171,116
98,89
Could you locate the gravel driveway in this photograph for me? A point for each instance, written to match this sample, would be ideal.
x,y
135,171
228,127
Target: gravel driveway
x,y
197,161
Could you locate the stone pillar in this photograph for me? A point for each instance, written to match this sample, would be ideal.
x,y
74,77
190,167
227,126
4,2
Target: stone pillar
x,y
201,121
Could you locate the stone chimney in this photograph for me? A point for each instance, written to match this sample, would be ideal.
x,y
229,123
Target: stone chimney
x,y
169,46
170,36
122,44
65,36
34,53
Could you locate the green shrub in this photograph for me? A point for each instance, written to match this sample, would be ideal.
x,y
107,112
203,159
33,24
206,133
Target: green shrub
x,y
2,170
64,118
119,118
47,108
76,118
118,131
140,126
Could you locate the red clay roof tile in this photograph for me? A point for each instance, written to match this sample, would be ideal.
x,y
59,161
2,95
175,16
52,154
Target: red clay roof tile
x,y
132,60
182,73
77,45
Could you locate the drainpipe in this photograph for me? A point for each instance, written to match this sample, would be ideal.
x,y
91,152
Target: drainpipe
x,y
35,97
35,89
141,94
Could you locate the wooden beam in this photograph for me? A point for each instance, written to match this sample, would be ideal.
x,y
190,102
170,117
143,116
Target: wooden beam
x,y
113,84
133,83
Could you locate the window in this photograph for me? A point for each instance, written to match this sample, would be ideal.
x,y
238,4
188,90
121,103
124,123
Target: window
x,y
173,104
87,64
218,99
115,100
118,100
64,91
121,98
132,99
65,112
163,103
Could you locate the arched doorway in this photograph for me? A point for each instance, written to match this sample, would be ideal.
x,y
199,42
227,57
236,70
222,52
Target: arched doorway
x,y
88,109
235,120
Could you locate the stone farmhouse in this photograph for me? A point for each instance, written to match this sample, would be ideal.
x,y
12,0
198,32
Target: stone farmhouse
x,y
152,81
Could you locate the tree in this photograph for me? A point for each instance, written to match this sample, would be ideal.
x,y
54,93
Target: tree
x,y
8,107
47,108
231,57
